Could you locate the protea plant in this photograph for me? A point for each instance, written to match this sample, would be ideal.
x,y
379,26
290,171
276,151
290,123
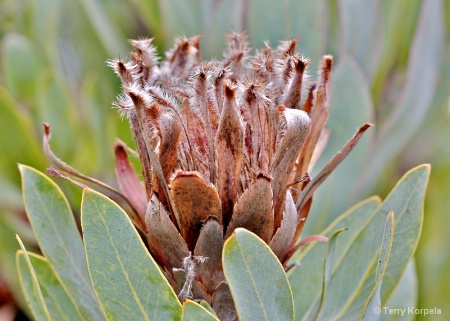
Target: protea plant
x,y
222,144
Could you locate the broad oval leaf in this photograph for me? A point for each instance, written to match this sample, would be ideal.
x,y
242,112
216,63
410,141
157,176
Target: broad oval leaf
x,y
59,304
193,311
257,281
59,240
128,282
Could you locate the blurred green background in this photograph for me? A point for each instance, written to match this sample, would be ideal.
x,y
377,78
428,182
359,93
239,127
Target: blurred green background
x,y
392,67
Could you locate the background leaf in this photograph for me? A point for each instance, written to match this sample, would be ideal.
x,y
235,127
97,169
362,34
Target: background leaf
x,y
58,237
361,33
257,281
17,141
128,282
59,304
417,95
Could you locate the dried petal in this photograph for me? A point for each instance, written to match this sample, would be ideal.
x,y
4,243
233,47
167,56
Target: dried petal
x,y
283,236
146,52
209,245
222,303
198,291
320,147
62,168
319,114
302,216
305,241
236,54
125,70
229,144
183,56
254,210
201,103
143,153
330,167
169,130
195,202
141,101
297,129
293,95
129,182
165,242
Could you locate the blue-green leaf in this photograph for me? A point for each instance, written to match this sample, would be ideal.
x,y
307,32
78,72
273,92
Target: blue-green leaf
x,y
256,278
361,31
308,276
424,65
59,304
128,282
354,275
30,284
328,266
372,308
193,311
58,237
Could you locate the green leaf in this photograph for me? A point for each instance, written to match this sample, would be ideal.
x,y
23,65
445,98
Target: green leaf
x,y
328,265
351,106
178,17
399,19
205,304
38,305
108,35
193,311
404,296
354,275
8,248
19,65
150,12
424,65
308,276
128,282
356,252
60,306
58,237
17,138
257,281
219,19
361,32
372,308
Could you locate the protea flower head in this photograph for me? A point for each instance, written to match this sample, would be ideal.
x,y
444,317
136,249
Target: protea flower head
x,y
223,144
